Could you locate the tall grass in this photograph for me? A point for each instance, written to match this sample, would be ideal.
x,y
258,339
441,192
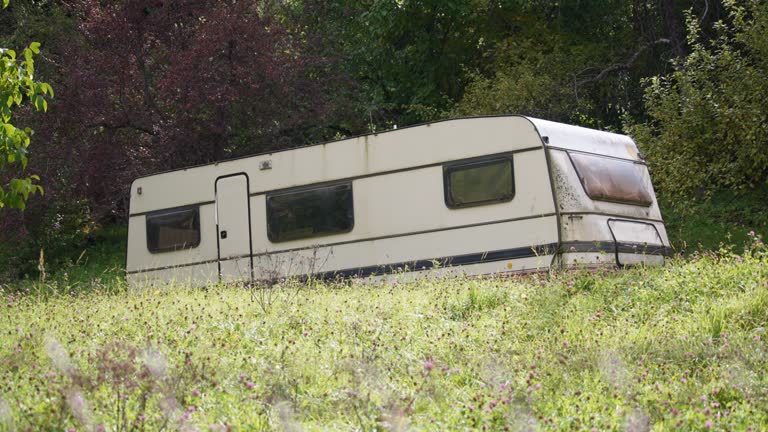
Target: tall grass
x,y
677,347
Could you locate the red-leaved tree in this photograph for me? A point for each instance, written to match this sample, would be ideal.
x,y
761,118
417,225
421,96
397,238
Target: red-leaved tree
x,y
149,85
154,85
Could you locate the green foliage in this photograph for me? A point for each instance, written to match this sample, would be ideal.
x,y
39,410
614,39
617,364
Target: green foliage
x,y
707,127
76,250
17,82
412,53
544,64
525,81
726,218
677,347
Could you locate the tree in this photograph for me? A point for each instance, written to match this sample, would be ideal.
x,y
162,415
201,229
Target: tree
x,y
707,127
407,58
17,86
575,62
148,86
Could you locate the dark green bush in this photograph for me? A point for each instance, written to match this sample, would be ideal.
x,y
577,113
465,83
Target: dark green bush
x,y
708,126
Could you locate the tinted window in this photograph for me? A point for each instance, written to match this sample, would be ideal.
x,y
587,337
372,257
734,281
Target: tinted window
x,y
481,182
607,179
173,229
310,213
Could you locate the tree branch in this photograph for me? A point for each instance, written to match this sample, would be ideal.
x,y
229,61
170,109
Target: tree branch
x,y
622,66
125,124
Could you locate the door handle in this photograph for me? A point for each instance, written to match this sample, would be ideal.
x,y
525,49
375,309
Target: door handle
x,y
223,234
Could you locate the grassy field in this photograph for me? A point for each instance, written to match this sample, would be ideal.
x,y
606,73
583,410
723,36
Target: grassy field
x,y
678,347
726,218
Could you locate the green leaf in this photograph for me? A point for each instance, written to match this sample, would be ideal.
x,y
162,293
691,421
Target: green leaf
x,y
6,3
46,88
38,100
35,47
5,114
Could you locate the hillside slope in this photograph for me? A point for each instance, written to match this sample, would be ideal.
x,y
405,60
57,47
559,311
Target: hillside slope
x,y
679,347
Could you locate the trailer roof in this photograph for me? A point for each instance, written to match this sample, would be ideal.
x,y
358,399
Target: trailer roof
x,y
587,140
560,135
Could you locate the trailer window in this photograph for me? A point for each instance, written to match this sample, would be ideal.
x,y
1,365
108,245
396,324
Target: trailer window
x,y
173,229
310,213
479,182
606,179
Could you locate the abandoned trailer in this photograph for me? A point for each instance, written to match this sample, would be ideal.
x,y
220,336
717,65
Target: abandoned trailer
x,y
472,196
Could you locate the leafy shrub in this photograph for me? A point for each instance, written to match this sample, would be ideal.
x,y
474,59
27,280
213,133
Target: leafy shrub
x,y
707,127
61,230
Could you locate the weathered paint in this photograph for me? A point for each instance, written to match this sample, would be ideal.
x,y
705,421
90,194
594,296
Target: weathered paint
x,y
400,214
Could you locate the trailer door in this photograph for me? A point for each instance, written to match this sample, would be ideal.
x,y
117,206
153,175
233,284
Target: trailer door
x,y
233,224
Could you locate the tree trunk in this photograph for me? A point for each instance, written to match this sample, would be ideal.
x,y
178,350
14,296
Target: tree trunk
x,y
673,24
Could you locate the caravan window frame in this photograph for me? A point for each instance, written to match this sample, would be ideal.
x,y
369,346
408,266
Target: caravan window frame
x,y
472,163
275,237
619,194
154,247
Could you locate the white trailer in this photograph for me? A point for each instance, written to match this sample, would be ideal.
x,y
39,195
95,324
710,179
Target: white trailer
x,y
475,195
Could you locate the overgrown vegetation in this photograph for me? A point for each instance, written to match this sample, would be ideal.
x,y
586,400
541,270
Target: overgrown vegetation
x,y
724,219
18,85
147,85
677,347
708,128
144,86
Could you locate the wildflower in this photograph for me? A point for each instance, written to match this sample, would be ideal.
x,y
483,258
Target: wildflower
x,y
191,408
429,365
708,424
195,392
250,384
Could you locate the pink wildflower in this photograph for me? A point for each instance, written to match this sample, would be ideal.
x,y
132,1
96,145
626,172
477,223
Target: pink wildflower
x,y
429,365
